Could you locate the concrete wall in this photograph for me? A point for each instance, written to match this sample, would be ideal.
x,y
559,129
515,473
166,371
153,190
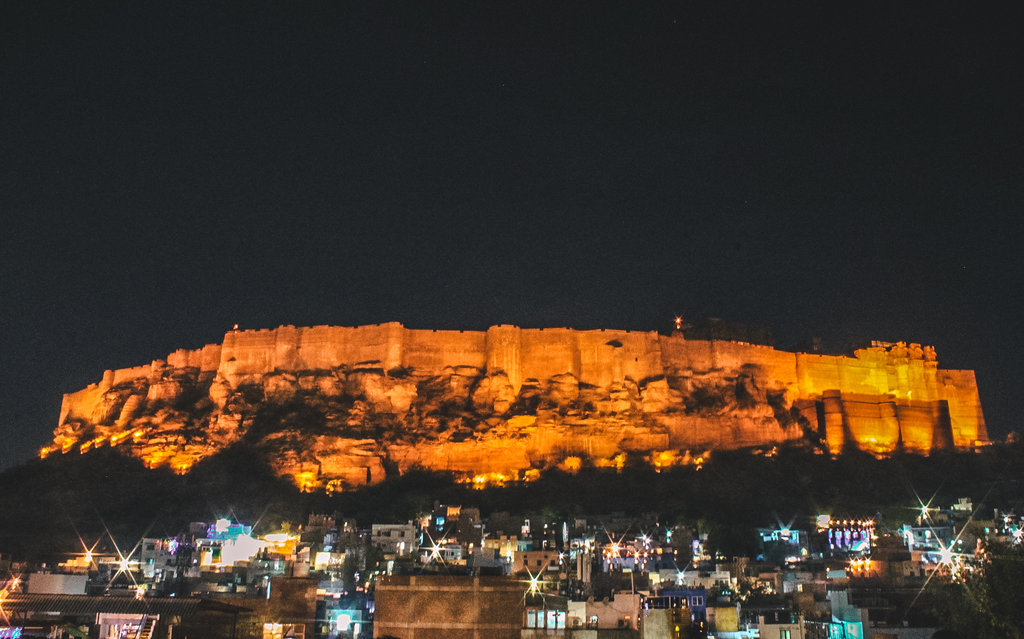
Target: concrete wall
x,y
56,584
443,607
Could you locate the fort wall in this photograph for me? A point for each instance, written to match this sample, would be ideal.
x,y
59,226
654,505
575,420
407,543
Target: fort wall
x,y
433,351
960,390
79,406
883,397
206,359
504,353
608,357
547,352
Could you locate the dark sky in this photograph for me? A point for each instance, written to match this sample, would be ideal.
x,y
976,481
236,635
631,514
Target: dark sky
x,y
169,170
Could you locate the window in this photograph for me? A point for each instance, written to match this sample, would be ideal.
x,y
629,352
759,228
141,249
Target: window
x,y
279,631
531,619
545,618
556,619
784,634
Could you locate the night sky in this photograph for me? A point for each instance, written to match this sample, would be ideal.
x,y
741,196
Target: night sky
x,y
170,170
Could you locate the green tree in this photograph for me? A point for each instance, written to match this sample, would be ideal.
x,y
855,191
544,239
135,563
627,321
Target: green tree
x,y
989,602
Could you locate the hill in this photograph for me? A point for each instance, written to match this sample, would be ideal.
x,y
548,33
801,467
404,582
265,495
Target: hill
x,y
55,505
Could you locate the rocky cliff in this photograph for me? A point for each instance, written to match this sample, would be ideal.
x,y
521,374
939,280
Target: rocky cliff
x,y
343,406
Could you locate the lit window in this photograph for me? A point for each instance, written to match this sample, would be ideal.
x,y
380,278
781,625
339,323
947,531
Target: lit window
x,y
531,618
280,631
555,619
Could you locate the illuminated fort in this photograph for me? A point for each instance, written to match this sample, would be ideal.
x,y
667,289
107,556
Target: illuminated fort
x,y
354,403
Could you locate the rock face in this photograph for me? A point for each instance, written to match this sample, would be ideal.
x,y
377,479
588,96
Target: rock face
x,y
342,406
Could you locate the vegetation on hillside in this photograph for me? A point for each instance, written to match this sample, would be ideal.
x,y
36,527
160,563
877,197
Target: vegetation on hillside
x,y
52,506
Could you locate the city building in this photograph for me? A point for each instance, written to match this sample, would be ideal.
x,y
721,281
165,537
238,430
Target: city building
x,y
448,607
396,539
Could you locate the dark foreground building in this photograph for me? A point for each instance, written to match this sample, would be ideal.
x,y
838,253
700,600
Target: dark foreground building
x,y
448,607
39,615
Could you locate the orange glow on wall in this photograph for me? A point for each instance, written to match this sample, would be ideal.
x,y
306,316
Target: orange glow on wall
x,y
617,462
609,392
571,464
664,459
487,480
307,481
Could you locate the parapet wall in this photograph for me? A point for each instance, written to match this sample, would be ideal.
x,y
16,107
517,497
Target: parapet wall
x,y
884,396
594,357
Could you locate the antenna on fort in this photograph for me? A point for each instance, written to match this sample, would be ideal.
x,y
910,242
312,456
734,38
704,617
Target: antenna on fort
x,y
234,328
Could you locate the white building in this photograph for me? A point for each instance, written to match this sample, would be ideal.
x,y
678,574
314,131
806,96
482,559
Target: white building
x,y
397,539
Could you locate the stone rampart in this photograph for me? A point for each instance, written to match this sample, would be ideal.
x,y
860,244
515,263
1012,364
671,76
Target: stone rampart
x,y
886,396
433,351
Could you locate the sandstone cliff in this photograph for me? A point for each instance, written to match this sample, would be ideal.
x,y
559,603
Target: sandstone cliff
x,y
343,406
